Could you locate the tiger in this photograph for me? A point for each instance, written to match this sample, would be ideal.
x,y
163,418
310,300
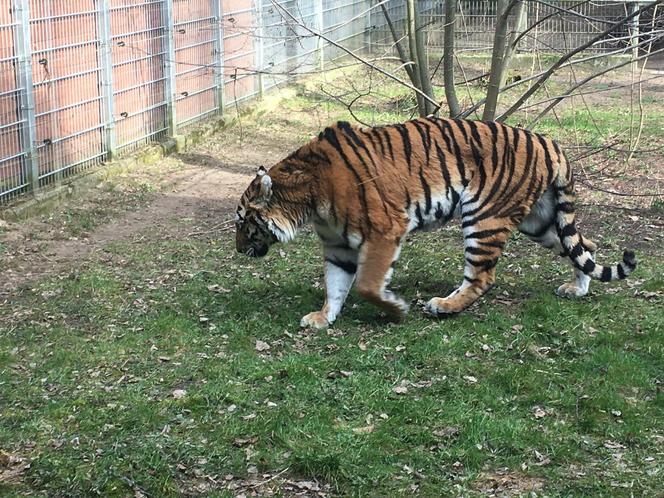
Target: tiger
x,y
364,189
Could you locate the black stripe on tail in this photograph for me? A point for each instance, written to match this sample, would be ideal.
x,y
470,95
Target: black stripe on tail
x,y
572,241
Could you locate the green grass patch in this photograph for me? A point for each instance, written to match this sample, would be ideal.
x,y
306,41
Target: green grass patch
x,y
91,368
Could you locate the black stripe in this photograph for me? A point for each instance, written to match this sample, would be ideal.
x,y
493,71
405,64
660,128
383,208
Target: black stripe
x,y
606,274
589,267
461,124
427,193
486,233
621,272
568,231
331,136
492,243
380,141
388,140
478,251
407,146
458,155
484,264
494,146
418,214
516,132
576,251
566,207
474,132
347,266
547,157
426,138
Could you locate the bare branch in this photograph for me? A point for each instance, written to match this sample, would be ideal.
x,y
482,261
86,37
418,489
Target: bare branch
x,y
547,74
397,43
287,14
570,91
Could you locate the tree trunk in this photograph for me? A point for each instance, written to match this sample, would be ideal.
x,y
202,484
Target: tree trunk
x,y
497,61
448,58
520,25
420,70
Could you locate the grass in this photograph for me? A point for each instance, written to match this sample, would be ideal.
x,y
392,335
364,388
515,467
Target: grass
x,y
139,372
90,366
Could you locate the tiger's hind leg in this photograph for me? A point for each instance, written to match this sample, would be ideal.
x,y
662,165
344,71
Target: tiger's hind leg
x,y
543,231
483,245
375,268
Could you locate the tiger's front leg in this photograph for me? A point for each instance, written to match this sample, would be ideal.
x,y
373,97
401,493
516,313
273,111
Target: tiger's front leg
x,y
376,264
340,269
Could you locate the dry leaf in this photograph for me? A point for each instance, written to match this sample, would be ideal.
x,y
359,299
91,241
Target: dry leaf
x,y
613,445
538,412
262,345
400,389
179,393
470,379
364,430
446,432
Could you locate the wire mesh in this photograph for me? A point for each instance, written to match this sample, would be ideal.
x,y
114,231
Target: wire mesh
x,y
12,169
83,79
560,24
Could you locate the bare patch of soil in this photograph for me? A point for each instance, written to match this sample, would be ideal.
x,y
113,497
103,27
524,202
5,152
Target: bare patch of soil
x,y
505,482
199,196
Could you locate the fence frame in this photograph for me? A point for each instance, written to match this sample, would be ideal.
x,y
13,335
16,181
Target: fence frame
x,y
105,54
26,110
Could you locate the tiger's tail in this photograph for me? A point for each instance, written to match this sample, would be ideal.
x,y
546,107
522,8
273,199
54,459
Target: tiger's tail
x,y
573,242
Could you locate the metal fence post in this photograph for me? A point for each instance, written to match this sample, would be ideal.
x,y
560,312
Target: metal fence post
x,y
219,72
320,26
23,48
106,59
260,63
169,66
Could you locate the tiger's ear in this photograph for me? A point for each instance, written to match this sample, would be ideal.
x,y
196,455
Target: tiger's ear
x,y
266,188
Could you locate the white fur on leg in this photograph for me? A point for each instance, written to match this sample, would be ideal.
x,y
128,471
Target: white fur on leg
x,y
337,284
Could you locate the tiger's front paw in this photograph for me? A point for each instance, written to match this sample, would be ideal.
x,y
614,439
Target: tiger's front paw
x,y
440,307
315,320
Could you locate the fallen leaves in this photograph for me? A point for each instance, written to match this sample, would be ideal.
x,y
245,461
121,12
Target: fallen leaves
x,y
539,412
335,374
364,430
12,467
262,346
179,393
447,432
400,390
470,379
613,445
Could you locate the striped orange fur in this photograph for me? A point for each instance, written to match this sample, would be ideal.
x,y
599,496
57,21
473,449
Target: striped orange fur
x,y
365,189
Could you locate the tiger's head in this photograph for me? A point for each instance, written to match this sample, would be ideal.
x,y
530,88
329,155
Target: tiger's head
x,y
254,231
277,203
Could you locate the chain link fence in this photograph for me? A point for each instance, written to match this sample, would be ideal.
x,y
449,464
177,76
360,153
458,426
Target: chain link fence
x,y
82,81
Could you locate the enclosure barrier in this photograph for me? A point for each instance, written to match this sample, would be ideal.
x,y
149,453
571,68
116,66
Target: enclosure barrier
x,y
83,81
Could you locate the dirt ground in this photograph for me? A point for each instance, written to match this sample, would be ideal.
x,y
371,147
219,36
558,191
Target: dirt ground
x,y
193,193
